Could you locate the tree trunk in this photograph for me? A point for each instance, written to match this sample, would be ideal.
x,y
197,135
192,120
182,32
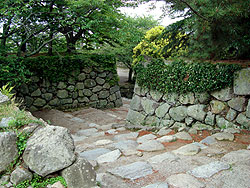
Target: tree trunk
x,y
50,50
130,74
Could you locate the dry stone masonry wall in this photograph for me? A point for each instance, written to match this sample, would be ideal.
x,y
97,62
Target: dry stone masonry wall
x,y
229,107
84,88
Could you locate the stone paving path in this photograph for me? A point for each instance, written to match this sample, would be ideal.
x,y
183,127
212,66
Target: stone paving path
x,y
165,159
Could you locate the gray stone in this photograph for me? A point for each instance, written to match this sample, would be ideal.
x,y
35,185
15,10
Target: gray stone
x,y
102,104
156,95
93,74
24,89
242,82
135,103
167,156
200,126
170,138
189,120
187,98
109,157
89,83
223,136
243,120
102,75
178,113
36,93
149,106
54,102
39,102
71,81
103,94
197,112
217,106
106,86
87,92
179,126
8,149
47,96
189,149
49,149
208,170
127,136
237,103
103,142
62,94
208,140
146,138
222,123
81,77
80,175
231,130
55,185
127,147
171,98
83,99
94,97
118,102
136,118
236,157
157,185
202,98
152,121
113,98
97,88
114,89
61,85
86,132
79,85
183,136
164,131
162,110
192,131
3,99
200,145
166,123
4,180
28,101
223,94
151,145
20,175
133,171
93,154
248,109
184,181
5,122
231,114
100,81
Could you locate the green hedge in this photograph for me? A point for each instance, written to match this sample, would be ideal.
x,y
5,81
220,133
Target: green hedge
x,y
54,68
182,77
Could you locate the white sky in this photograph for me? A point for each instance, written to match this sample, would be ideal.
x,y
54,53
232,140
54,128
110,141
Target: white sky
x,y
144,10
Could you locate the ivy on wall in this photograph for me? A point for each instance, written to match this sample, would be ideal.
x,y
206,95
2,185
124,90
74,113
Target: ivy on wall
x,y
182,77
55,68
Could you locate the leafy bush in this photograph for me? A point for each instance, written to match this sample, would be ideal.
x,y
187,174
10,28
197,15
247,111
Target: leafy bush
x,y
183,77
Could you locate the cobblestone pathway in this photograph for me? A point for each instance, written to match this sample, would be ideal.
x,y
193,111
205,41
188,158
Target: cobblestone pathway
x,y
125,158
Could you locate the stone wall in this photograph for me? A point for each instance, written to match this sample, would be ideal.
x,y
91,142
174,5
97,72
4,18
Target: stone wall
x,y
229,107
127,90
84,88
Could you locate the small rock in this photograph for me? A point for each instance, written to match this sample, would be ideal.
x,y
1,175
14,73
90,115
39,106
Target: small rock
x,y
208,140
189,149
3,99
19,175
127,147
93,125
111,131
237,103
98,134
109,157
106,127
121,129
223,136
146,138
164,131
103,142
133,171
208,170
192,131
184,181
78,138
202,146
56,185
217,106
4,179
163,157
170,138
157,185
151,145
231,130
183,136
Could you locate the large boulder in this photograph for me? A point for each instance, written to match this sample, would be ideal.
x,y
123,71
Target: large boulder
x,y
80,175
197,112
242,82
178,113
8,149
49,149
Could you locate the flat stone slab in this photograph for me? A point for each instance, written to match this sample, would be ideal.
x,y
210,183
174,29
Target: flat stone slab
x,y
231,130
208,170
109,157
127,147
164,131
127,136
86,132
146,138
78,120
202,146
151,145
78,138
183,136
237,156
93,154
133,171
184,181
168,156
208,140
223,136
103,142
157,185
111,131
170,138
189,149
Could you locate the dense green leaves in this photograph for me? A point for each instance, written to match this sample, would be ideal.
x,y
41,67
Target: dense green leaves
x,y
182,77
